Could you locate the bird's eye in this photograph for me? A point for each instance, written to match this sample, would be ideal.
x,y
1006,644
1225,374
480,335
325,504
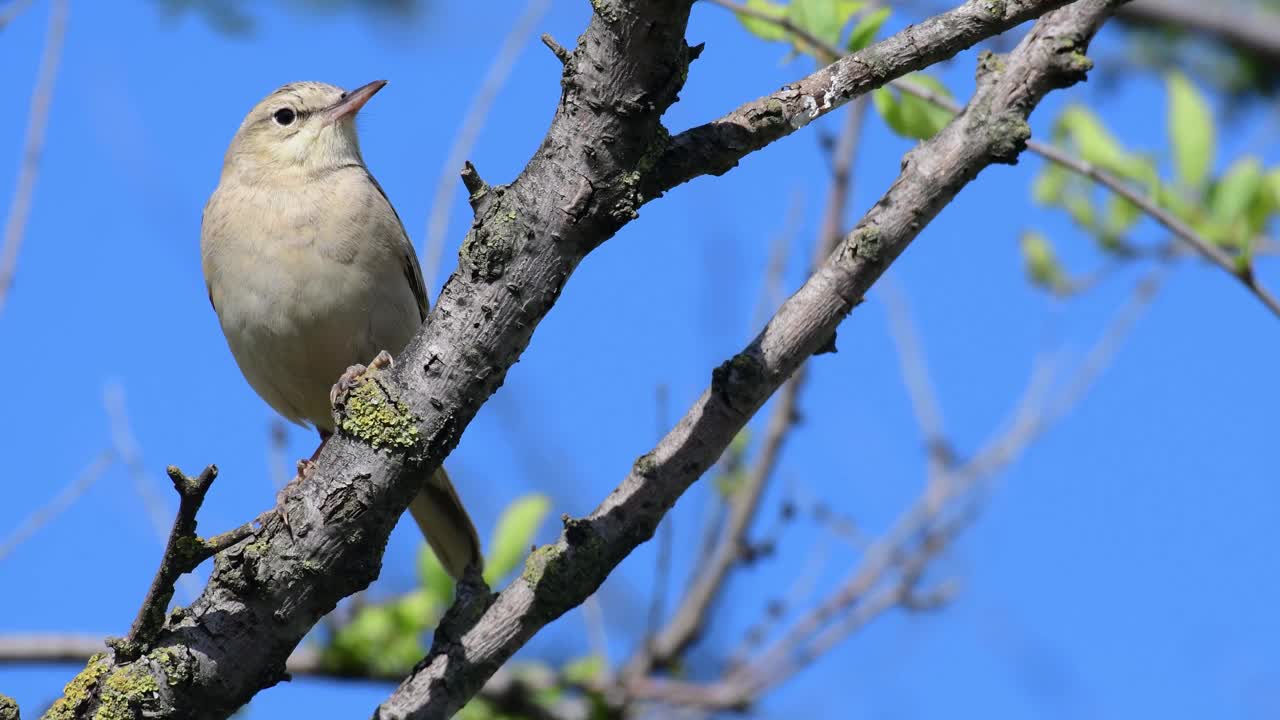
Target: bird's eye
x,y
285,116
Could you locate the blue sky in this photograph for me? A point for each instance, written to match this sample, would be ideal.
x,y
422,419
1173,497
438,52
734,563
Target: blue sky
x,y
1124,566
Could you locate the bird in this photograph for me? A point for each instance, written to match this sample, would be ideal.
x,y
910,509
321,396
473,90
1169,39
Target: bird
x,y
311,273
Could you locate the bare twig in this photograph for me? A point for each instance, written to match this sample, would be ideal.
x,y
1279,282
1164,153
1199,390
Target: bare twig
x,y
64,499
33,144
915,372
11,11
472,121
277,446
182,553
889,575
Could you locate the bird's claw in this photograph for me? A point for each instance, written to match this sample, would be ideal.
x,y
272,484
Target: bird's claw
x,y
354,373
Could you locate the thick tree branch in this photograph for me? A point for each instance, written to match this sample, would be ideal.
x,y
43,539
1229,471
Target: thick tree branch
x,y
324,539
716,147
992,129
1243,26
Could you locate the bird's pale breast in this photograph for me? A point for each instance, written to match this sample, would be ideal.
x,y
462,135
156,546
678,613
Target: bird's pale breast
x,y
307,279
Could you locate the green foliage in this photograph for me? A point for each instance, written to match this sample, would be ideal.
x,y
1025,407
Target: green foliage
x,y
1041,262
865,31
514,534
825,20
1191,131
761,28
386,638
910,116
732,464
1231,210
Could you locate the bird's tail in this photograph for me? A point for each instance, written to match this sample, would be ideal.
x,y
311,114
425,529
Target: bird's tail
x,y
446,526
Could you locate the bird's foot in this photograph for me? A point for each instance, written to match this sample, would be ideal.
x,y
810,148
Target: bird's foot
x,y
353,374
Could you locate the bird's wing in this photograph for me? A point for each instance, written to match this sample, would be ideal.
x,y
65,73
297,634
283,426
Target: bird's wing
x,y
412,270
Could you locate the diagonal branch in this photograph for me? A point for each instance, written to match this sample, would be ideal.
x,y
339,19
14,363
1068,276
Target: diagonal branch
x,y
993,129
324,539
690,617
716,147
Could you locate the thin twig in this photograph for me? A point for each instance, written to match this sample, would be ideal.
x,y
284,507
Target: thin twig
x,y
64,499
33,144
495,78
915,371
13,10
691,616
1180,230
888,576
182,553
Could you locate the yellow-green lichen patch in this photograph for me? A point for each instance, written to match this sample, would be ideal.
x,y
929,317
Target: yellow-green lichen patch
x,y
125,690
379,420
537,562
171,661
8,708
79,691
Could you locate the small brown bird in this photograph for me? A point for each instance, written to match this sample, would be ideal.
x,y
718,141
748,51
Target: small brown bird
x,y
310,271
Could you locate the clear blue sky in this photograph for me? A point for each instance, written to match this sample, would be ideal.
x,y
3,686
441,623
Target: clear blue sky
x,y
1125,566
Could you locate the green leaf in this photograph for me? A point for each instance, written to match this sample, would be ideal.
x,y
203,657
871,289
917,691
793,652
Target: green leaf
x,y
514,535
1041,262
1191,131
910,116
864,33
764,29
1081,210
416,611
583,671
824,19
1050,185
1237,190
1096,144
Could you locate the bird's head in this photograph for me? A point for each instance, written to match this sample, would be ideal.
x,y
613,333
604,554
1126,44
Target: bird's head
x,y
303,127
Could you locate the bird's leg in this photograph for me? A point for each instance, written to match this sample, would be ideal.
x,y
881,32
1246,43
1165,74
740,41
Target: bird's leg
x,y
306,467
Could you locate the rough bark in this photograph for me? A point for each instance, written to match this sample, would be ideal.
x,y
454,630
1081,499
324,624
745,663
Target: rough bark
x,y
325,538
992,129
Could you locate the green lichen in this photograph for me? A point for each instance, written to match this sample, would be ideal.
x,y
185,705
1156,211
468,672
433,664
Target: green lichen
x,y
125,690
8,708
489,245
171,660
381,421
645,465
536,564
989,62
995,8
867,244
77,693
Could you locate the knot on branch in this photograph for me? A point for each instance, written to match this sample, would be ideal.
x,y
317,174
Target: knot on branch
x,y
477,189
556,48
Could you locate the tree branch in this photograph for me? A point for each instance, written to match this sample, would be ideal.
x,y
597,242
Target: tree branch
x,y
324,539
992,129
716,147
1201,245
1247,29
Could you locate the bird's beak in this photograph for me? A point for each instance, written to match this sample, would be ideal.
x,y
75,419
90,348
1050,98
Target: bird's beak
x,y
353,101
